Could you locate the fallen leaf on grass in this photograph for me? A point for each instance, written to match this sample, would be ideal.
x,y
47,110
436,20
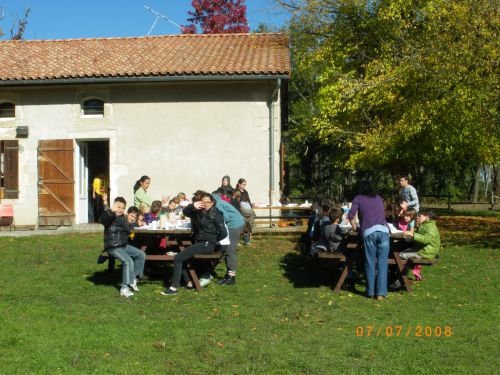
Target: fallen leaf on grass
x,y
159,344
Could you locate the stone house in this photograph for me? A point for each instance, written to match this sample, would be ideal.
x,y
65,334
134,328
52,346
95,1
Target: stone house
x,y
182,109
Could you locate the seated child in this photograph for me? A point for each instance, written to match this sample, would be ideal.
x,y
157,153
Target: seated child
x,y
390,213
183,201
427,240
407,222
320,216
116,236
331,236
144,208
140,220
134,240
173,207
151,216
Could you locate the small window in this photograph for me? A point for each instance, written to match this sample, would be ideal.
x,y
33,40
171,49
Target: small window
x,y
7,110
93,107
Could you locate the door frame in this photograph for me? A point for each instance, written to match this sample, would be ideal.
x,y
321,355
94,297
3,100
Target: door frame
x,y
76,159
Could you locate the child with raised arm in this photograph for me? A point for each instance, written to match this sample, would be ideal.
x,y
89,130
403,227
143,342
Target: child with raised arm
x,y
116,237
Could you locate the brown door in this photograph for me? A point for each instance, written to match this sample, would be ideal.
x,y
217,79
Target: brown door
x,y
56,182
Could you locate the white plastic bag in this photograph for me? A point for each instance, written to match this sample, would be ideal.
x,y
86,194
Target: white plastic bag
x,y
225,241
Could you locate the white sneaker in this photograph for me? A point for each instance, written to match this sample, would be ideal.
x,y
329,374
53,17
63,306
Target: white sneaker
x,y
126,292
134,286
204,282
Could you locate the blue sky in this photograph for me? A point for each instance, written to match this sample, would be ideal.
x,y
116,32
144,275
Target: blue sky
x,y
62,19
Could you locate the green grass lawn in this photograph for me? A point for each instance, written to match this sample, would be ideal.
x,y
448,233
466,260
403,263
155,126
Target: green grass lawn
x,y
61,314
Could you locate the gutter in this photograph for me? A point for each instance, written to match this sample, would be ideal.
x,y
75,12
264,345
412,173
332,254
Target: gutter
x,y
270,105
108,80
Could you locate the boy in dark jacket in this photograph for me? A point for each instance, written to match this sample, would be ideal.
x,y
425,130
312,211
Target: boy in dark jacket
x,y
116,236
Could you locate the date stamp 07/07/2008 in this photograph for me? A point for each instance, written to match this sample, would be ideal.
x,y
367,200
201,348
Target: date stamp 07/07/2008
x,y
403,331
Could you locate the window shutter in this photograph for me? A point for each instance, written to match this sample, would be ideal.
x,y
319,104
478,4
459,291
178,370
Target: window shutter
x,y
11,169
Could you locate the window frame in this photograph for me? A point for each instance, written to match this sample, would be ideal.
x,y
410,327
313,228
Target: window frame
x,y
92,115
8,118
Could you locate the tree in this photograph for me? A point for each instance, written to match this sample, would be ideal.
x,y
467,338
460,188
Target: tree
x,y
217,16
19,27
402,85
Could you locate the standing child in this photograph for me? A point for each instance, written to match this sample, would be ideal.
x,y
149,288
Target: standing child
x,y
116,236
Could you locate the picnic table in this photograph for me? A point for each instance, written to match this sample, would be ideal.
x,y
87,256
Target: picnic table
x,y
178,239
353,247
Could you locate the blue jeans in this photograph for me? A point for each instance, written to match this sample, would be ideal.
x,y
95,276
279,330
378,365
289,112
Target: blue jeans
x,y
132,262
376,247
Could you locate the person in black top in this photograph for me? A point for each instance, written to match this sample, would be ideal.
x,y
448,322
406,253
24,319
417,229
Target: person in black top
x,y
211,229
246,210
116,237
226,190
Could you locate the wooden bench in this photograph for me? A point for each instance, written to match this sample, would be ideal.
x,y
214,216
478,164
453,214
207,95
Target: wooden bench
x,y
345,259
403,265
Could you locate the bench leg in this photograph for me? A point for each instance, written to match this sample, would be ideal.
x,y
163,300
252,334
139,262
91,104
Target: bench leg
x,y
194,277
343,276
111,264
402,271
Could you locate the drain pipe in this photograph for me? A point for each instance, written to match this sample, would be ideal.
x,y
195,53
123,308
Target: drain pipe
x,y
270,105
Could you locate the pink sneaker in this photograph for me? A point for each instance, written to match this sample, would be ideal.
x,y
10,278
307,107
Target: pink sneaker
x,y
417,272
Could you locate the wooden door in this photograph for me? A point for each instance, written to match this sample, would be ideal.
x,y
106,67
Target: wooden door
x,y
56,182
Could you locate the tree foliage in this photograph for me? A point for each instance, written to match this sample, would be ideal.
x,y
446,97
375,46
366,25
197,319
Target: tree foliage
x,y
217,16
400,84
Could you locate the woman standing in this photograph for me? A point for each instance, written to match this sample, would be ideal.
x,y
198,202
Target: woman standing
x,y
211,230
141,191
373,227
226,190
246,210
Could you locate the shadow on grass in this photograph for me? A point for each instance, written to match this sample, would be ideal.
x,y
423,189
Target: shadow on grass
x,y
155,271
310,272
106,277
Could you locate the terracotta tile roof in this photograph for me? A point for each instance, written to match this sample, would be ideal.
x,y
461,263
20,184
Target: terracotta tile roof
x,y
169,55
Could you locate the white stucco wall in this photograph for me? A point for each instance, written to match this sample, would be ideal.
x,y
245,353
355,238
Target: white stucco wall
x,y
185,136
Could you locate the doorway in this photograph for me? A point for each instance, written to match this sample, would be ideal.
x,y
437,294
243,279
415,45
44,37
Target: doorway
x,y
93,162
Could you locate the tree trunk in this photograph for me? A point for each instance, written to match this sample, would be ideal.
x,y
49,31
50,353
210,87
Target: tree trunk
x,y
496,189
475,197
